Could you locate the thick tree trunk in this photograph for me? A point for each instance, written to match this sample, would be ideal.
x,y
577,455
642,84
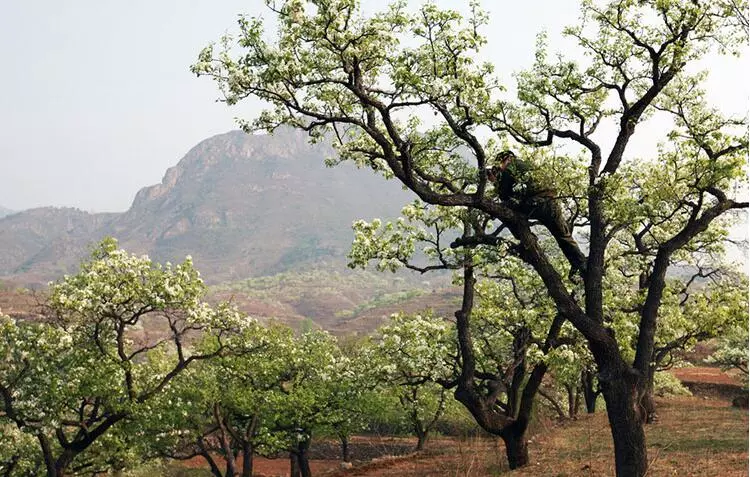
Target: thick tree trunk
x,y
647,404
589,393
516,449
63,462
625,422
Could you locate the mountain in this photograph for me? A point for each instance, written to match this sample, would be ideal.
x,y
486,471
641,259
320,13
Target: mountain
x,y
40,244
241,205
4,211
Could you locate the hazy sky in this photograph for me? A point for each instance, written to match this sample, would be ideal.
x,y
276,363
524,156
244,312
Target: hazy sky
x,y
97,101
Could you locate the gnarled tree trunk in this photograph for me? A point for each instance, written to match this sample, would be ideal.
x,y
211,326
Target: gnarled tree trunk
x,y
625,421
516,449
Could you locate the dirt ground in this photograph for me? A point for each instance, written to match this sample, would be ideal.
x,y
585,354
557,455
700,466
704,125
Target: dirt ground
x,y
696,436
324,456
709,382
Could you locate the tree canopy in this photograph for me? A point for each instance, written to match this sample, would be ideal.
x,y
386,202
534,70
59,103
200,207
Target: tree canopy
x,y
72,384
403,91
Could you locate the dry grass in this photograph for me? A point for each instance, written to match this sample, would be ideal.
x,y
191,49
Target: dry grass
x,y
694,437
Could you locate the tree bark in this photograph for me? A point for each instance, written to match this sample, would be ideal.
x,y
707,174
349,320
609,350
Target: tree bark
x,y
344,448
589,393
49,461
555,405
421,439
63,462
224,440
248,445
207,456
647,404
516,449
303,458
626,424
247,459
571,400
215,470
294,470
299,460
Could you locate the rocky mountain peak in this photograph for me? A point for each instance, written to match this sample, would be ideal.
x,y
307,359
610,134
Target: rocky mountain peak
x,y
241,205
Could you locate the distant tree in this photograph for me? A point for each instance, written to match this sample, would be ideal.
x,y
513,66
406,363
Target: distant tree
x,y
72,383
412,357
315,383
217,409
355,397
371,81
692,314
731,352
270,394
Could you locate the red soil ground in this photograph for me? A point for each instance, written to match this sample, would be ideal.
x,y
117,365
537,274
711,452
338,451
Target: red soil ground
x,y
699,436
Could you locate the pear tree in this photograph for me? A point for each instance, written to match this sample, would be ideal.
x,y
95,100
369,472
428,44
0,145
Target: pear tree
x,y
414,356
731,352
369,81
74,381
497,359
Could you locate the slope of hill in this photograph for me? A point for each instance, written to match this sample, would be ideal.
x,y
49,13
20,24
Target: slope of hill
x,y
341,301
40,244
254,205
241,205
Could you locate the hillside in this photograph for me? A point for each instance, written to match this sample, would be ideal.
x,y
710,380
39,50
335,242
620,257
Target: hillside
x,y
40,244
4,211
241,205
340,301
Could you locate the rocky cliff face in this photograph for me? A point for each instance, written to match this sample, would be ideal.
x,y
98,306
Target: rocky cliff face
x,y
240,205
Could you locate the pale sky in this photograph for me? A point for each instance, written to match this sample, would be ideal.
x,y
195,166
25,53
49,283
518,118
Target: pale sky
x,y
97,101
